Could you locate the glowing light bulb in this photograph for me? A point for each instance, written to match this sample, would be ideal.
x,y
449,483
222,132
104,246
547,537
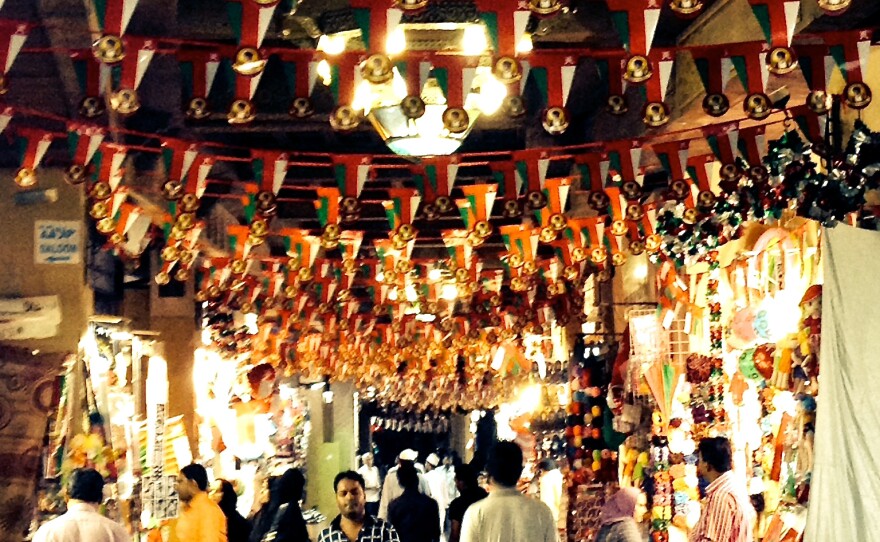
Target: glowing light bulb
x,y
331,45
380,277
525,45
398,84
474,40
434,275
411,294
396,42
392,295
641,271
492,93
363,97
325,72
449,292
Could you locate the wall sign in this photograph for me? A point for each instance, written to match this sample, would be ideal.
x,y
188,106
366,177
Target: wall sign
x,y
57,241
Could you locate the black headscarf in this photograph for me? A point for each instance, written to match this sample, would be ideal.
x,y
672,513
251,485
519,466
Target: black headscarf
x,y
286,489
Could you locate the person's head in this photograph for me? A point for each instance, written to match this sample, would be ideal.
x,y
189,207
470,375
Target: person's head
x,y
86,485
408,477
546,465
192,480
628,502
407,455
505,463
290,486
223,493
449,459
716,457
368,459
465,477
350,496
431,462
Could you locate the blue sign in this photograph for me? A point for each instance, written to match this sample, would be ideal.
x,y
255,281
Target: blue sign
x,y
57,241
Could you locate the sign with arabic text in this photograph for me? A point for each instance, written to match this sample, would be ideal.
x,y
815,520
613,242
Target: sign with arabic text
x,y
57,241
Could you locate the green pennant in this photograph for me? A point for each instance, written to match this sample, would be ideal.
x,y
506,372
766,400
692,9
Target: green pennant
x,y
82,70
101,11
234,11
290,77
739,63
187,74
664,161
498,177
713,144
72,142
258,165
251,208
490,19
762,13
839,56
362,19
323,210
442,77
539,76
621,23
703,70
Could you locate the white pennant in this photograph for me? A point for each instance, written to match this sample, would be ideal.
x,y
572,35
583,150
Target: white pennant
x,y
526,67
6,115
16,42
145,55
202,176
451,174
211,68
727,69
765,71
490,200
264,18
362,172
128,7
864,48
40,152
467,80
95,139
116,160
792,9
665,73
253,84
279,173
567,78
652,17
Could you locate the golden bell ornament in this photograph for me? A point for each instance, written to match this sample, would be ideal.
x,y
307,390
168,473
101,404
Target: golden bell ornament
x,y
255,240
259,228
350,205
214,291
411,5
403,267
655,114
109,49
398,242
618,259
518,284
716,105
579,254
266,203
616,104
598,200
106,225
558,221
618,227
172,190
305,274
100,190
571,273
516,261
686,7
116,239
178,234
780,61
636,247
99,210
536,199
349,266
430,212
462,275
857,95
75,174
455,120
413,106
474,240
555,120
653,242
201,296
547,235
241,112
91,107
514,106
598,255
181,275
705,199
834,6
730,173
125,101
679,189
332,232
638,69
690,216
344,119
544,7
185,221
817,102
198,109
553,290
301,108
512,209
407,232
377,69
162,278
759,174
343,295
443,204
290,291
483,229
634,212
238,267
189,203
507,70
530,267
186,257
631,190
757,106
248,62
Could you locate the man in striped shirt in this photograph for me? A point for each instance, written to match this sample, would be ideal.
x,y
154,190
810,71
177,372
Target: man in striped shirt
x,y
728,515
353,524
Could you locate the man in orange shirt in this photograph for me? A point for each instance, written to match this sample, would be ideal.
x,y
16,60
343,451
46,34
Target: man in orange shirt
x,y
201,520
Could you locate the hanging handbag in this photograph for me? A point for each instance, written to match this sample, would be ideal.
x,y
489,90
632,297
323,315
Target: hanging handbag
x,y
273,530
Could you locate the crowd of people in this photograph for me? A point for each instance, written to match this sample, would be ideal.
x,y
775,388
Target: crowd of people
x,y
441,501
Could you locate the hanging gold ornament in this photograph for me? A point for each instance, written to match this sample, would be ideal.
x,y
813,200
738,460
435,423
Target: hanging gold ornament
x,y
653,242
377,69
172,190
616,104
512,209
411,5
507,70
117,239
547,235
655,114
301,108
100,190
544,7
618,259
579,254
185,221
857,95
170,254
571,273
598,200
109,49
716,105
248,62
834,6
631,190
530,267
162,278
266,203
198,109
201,296
690,216
730,173
516,261
513,105
618,227
638,69
91,107
555,120
99,210
705,200
344,119
636,247
186,257
536,199
241,112
443,204
757,106
413,106
75,174
558,222
125,101
350,266
290,291
305,274
407,232
780,61
238,267
455,120
598,255
817,102
106,225
181,275
483,229
634,212
686,7
679,189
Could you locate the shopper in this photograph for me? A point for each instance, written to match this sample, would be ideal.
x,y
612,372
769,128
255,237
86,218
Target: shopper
x,y
85,491
728,515
201,520
281,518
621,515
438,484
353,523
550,482
392,489
222,492
373,482
415,516
470,492
507,515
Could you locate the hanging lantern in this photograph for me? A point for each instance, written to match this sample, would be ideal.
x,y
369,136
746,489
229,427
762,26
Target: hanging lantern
x,y
248,62
109,49
757,106
91,107
241,112
377,69
857,95
655,114
555,120
197,109
716,105
638,69
413,107
344,119
125,101
301,108
780,61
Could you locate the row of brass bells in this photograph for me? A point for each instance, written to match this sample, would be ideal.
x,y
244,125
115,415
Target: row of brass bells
x,y
301,107
716,105
241,112
75,174
91,107
686,7
857,95
125,101
638,69
781,60
198,109
512,209
555,120
456,120
248,62
345,118
757,106
109,49
655,114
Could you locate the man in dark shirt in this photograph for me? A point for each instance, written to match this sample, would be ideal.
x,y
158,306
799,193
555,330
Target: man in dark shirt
x,y
470,492
415,516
